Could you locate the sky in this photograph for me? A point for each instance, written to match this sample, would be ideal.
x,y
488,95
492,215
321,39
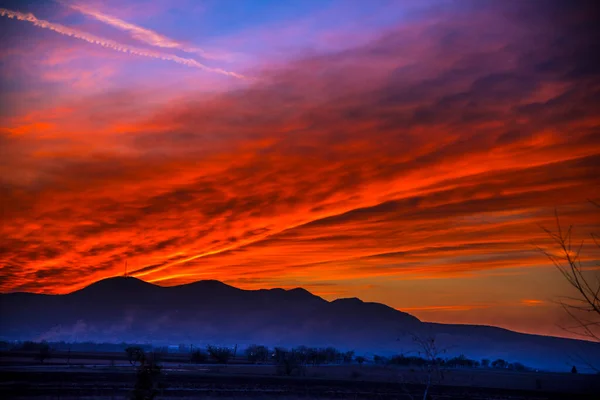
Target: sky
x,y
403,152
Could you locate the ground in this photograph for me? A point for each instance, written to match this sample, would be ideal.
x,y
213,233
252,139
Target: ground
x,y
110,376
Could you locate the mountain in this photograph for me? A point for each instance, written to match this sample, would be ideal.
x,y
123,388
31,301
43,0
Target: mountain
x,y
211,312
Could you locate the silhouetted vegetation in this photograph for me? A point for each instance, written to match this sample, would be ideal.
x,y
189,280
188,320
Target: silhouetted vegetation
x,y
288,361
460,361
147,379
220,355
198,357
584,307
517,366
256,353
135,354
44,352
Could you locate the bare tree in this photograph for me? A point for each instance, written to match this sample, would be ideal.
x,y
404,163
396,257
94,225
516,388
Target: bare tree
x,y
430,351
584,309
135,354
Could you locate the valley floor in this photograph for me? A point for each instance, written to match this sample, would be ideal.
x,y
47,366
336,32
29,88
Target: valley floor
x,y
98,380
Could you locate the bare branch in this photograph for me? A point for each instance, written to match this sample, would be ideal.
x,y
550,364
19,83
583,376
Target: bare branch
x,y
569,264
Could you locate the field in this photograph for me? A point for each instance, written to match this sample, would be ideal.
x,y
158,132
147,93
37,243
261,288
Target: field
x,y
110,376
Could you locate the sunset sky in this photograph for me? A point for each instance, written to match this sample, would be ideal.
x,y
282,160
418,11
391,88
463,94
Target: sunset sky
x,y
404,152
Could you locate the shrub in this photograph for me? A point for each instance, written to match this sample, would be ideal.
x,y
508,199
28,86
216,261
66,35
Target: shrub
x,y
517,366
348,356
289,363
147,380
44,352
221,355
198,357
460,361
256,353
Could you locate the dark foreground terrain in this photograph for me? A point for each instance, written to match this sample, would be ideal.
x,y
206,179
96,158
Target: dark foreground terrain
x,y
99,380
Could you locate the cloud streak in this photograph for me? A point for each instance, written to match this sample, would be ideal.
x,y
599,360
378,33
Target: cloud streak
x,y
147,36
111,44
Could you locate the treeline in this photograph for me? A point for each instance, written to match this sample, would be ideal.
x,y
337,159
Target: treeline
x,y
288,359
66,346
454,362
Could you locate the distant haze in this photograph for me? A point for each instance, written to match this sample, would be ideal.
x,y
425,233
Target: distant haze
x,y
210,312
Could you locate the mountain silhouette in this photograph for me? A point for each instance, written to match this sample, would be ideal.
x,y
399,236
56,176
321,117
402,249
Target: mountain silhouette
x,y
126,309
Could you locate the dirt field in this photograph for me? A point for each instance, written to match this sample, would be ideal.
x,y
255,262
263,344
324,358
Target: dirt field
x,y
94,376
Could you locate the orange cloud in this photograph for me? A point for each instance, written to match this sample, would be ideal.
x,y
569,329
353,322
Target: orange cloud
x,y
444,308
532,302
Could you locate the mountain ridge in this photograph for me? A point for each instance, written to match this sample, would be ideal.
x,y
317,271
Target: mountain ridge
x,y
211,312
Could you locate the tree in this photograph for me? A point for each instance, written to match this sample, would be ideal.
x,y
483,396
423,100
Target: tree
x,y
574,370
44,352
584,309
147,379
348,356
289,363
499,363
430,351
360,360
485,363
134,354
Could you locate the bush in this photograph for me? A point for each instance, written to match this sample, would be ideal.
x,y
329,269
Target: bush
x,y
44,352
147,380
221,355
198,357
256,353
517,366
348,356
460,361
289,362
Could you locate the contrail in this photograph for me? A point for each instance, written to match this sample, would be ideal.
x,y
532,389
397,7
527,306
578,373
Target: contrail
x,y
111,44
142,34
